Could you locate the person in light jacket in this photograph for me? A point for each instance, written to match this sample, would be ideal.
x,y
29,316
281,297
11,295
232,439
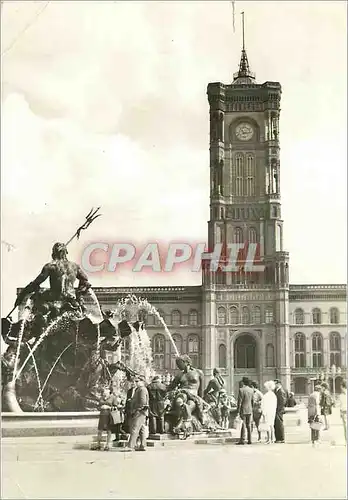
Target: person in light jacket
x,y
314,412
268,410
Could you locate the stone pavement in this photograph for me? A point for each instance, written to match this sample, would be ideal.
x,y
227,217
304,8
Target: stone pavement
x,y
56,467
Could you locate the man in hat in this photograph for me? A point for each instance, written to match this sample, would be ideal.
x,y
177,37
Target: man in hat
x,y
280,410
245,408
157,395
139,406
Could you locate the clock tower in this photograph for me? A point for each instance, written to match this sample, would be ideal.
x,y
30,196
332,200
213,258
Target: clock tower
x,y
246,313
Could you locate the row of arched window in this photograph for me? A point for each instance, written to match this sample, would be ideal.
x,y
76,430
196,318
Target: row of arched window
x,y
244,352
317,350
159,351
244,315
174,319
243,175
316,316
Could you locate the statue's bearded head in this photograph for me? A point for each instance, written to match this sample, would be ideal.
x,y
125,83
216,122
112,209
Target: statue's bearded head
x,y
59,251
183,362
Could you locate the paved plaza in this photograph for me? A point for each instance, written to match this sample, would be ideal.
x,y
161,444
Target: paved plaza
x,y
64,468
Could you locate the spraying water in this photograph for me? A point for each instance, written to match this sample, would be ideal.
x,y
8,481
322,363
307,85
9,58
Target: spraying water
x,y
135,351
25,317
39,401
50,373
150,309
44,334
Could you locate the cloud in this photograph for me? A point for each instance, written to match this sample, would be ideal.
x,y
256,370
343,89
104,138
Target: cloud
x,y
104,103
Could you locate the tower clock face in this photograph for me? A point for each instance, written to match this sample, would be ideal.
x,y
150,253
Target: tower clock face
x,y
244,132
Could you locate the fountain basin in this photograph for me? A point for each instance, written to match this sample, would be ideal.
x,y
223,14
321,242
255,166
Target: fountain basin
x,y
30,424
41,424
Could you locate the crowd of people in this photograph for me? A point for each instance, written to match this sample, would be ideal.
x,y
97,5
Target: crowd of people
x,y
143,411
264,411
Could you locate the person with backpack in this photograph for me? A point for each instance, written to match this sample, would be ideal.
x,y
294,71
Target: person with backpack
x,y
326,404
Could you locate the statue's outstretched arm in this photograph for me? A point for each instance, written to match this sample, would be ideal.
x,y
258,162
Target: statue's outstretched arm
x,y
33,285
209,388
201,382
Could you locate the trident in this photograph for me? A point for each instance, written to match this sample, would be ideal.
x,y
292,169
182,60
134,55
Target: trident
x,y
90,217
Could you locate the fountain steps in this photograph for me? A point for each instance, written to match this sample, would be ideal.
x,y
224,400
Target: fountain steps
x,y
161,440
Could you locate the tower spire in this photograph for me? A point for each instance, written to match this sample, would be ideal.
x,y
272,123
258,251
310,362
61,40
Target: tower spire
x,y
244,75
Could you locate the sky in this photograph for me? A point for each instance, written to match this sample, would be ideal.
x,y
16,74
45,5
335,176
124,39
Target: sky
x,y
104,104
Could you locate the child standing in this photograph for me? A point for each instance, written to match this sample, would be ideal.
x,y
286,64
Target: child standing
x,y
225,409
117,415
107,403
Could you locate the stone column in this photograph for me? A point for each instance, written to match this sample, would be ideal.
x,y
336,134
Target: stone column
x,y
326,352
283,359
209,321
308,351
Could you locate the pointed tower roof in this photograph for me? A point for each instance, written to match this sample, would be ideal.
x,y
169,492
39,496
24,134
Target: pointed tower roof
x,y
244,75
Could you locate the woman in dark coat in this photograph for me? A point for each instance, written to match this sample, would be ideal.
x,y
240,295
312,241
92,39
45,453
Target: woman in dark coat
x,y
326,404
107,403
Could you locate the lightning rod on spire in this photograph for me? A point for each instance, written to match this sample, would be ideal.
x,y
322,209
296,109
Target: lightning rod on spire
x,y
243,30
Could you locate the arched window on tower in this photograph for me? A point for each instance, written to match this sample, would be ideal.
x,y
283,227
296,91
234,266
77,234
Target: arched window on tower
x,y
158,349
269,316
222,356
300,350
237,175
234,315
250,176
335,349
252,235
221,316
245,316
317,350
256,315
238,235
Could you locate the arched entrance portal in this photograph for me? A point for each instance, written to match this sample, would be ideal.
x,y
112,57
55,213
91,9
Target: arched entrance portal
x,y
245,359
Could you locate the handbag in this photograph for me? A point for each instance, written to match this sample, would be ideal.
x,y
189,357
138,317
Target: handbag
x,y
316,424
116,416
264,426
237,423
